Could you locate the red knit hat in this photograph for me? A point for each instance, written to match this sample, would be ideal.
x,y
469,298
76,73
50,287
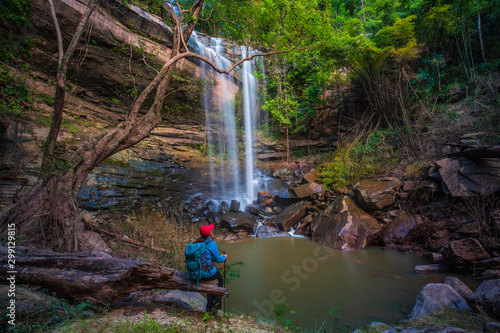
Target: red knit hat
x,y
206,230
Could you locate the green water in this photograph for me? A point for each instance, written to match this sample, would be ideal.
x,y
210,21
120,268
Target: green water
x,y
322,288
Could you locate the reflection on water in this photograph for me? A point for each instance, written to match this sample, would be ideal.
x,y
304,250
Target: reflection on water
x,y
322,287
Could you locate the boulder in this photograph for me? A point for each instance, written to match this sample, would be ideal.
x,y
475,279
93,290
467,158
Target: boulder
x,y
263,196
377,194
423,190
463,252
283,173
378,326
436,258
486,297
305,226
224,207
253,209
432,268
303,230
265,231
461,288
470,229
464,177
218,234
231,237
344,226
240,221
291,215
27,302
311,176
192,298
436,296
189,300
285,198
242,234
214,217
398,231
235,206
311,190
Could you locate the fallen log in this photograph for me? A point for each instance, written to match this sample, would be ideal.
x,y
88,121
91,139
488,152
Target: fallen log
x,y
95,275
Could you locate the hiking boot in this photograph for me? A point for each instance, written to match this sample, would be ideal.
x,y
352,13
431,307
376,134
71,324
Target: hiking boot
x,y
212,311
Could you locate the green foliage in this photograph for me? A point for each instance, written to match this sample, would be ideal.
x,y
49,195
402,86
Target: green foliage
x,y
15,98
48,99
233,270
15,17
430,75
364,157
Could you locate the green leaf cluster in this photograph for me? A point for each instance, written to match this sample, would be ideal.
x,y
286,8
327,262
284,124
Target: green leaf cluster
x,y
15,19
366,156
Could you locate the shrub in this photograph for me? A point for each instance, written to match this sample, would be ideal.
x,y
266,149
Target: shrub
x,y
365,156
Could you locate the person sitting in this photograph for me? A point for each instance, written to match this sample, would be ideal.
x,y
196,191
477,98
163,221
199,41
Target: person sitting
x,y
214,303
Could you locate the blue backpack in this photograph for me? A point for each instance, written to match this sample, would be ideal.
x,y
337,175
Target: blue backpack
x,y
197,265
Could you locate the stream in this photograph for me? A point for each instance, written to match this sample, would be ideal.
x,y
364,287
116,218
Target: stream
x,y
322,288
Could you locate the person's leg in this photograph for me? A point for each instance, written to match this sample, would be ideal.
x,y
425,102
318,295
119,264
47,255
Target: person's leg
x,y
218,299
214,302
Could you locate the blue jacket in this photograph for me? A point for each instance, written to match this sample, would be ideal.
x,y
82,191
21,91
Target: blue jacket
x,y
213,254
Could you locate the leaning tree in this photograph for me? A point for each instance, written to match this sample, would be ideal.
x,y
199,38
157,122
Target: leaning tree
x,y
49,208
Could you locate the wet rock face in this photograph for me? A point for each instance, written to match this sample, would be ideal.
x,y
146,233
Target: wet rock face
x,y
377,194
344,226
291,215
436,296
311,190
240,221
265,231
20,160
398,232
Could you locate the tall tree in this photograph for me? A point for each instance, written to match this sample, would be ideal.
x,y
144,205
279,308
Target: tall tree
x,y
50,206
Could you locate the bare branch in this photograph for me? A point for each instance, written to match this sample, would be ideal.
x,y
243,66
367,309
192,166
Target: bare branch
x,y
78,33
60,49
195,5
228,71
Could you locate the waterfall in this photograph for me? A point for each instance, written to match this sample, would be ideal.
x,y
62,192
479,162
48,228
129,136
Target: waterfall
x,y
220,112
249,108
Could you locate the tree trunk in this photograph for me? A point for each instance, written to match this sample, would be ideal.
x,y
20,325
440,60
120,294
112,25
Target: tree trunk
x,y
46,214
97,276
287,147
480,36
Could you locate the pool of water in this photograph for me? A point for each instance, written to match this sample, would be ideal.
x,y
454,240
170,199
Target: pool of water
x,y
314,287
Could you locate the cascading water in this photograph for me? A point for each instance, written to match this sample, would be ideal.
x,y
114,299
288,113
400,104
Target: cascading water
x,y
221,127
249,107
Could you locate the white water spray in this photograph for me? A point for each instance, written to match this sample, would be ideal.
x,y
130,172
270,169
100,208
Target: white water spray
x,y
219,104
249,110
